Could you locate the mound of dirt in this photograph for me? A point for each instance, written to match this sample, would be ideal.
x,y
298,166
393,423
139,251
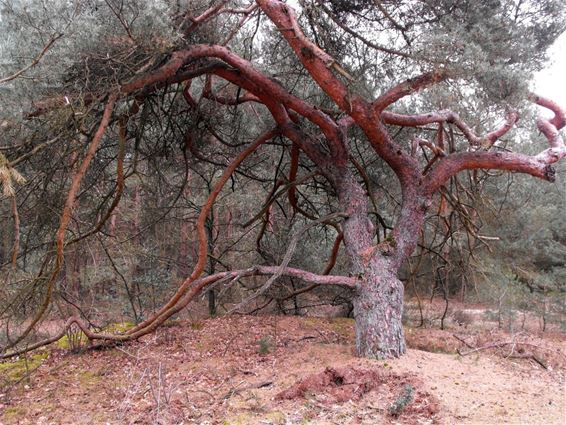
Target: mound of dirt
x,y
338,385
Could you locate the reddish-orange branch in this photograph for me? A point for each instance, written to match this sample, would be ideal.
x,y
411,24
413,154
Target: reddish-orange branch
x,y
294,167
267,270
551,127
539,165
372,119
334,254
66,216
205,16
268,87
198,286
214,11
225,100
446,116
327,74
165,311
407,88
120,181
280,114
318,63
178,59
331,263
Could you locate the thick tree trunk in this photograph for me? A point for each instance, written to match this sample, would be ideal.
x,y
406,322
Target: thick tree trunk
x,y
378,307
378,304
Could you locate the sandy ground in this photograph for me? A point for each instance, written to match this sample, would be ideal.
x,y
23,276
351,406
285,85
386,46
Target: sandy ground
x,y
487,390
233,371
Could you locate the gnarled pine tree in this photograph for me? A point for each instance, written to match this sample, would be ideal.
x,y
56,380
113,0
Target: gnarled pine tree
x,y
428,89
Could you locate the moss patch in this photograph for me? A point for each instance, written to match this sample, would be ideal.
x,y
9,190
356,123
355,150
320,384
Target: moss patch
x,y
73,341
196,326
277,417
205,343
343,326
242,419
15,370
13,413
313,322
88,378
171,323
120,327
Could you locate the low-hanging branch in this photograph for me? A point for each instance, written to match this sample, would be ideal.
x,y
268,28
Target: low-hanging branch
x,y
197,287
287,258
53,274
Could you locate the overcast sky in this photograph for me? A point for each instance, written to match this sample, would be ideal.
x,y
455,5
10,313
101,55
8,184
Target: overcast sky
x,y
551,82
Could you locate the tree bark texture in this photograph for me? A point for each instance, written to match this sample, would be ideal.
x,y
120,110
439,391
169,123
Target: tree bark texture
x,y
378,309
378,303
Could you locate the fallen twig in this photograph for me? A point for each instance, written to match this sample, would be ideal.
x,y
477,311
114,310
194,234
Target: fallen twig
x,y
463,341
529,356
503,344
237,390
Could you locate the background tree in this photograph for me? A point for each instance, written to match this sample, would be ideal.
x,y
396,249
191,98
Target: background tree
x,y
358,116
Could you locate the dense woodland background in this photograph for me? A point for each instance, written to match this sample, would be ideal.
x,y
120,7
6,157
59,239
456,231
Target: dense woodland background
x,y
490,237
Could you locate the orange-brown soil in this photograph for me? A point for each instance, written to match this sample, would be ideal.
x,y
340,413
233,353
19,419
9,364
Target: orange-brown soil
x,y
293,370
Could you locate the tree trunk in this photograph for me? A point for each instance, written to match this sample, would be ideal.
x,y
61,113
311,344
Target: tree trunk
x,y
378,304
378,307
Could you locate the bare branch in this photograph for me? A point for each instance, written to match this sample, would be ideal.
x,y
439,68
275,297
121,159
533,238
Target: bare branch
x,y
286,259
539,165
35,61
16,247
66,217
364,40
214,11
551,127
407,88
447,116
168,309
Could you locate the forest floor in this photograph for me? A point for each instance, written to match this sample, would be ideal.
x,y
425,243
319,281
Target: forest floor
x,y
293,370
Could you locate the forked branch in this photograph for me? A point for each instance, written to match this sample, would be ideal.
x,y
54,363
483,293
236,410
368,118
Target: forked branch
x,y
539,165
